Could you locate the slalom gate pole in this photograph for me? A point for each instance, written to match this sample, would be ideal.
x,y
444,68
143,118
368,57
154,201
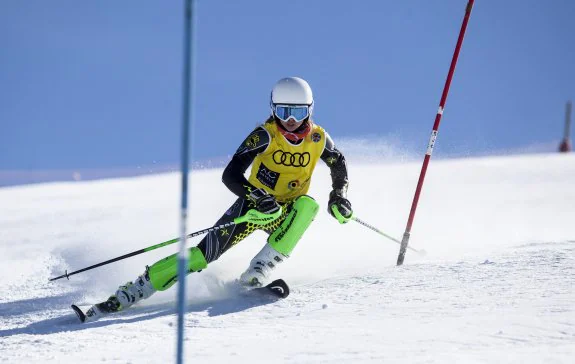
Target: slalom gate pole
x,y
186,116
236,221
407,233
567,131
361,222
565,145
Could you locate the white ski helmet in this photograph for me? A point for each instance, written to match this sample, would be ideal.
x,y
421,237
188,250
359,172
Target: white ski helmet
x,y
291,91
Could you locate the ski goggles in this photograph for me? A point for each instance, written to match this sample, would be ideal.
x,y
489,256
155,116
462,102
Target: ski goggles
x,y
297,112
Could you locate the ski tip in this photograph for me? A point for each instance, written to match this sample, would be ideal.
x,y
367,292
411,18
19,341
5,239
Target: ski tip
x,y
79,313
279,288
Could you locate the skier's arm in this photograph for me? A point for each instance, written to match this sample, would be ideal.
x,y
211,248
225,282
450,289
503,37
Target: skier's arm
x,y
233,176
336,163
338,205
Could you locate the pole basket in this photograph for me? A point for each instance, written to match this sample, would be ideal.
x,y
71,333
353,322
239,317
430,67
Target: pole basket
x,y
565,146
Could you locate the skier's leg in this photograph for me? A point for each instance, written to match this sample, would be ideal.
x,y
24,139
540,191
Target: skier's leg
x,y
158,277
282,241
164,273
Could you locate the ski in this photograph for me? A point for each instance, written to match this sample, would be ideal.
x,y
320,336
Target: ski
x,y
277,288
93,313
98,310
78,311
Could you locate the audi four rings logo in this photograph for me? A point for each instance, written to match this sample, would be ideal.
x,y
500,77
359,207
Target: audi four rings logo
x,y
291,160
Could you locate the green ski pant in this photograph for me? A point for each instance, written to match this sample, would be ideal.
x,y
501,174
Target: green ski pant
x,y
284,234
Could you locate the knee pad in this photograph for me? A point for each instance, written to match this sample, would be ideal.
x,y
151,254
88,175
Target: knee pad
x,y
164,273
287,235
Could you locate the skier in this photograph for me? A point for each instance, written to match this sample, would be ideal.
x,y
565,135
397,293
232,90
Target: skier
x,y
283,153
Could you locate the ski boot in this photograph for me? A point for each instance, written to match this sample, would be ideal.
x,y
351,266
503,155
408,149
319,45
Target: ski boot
x,y
261,267
124,297
281,242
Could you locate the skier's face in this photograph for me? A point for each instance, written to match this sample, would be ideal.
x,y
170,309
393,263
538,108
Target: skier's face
x,y
291,115
291,124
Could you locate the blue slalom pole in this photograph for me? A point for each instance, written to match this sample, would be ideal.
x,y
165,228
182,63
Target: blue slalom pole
x,y
186,121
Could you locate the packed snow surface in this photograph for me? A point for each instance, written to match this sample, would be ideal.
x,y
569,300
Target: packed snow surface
x,y
497,284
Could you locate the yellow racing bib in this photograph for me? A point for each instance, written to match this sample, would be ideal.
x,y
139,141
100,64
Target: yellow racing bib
x,y
284,169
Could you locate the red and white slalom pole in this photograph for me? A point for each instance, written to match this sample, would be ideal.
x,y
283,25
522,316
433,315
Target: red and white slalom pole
x,y
565,145
407,233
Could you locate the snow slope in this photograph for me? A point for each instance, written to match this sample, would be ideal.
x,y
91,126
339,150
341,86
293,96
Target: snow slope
x,y
497,284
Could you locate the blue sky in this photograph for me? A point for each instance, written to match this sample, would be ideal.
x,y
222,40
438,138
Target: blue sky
x,y
97,84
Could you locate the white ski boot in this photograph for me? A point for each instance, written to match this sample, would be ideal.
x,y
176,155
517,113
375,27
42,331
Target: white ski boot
x,y
124,297
261,267
133,292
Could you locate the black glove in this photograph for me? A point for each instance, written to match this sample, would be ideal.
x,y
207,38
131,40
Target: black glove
x,y
338,200
263,201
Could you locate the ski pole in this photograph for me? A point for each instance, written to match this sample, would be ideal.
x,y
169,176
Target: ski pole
x,y
237,220
358,220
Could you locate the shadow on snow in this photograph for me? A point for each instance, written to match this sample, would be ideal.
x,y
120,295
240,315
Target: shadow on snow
x,y
69,323
28,306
